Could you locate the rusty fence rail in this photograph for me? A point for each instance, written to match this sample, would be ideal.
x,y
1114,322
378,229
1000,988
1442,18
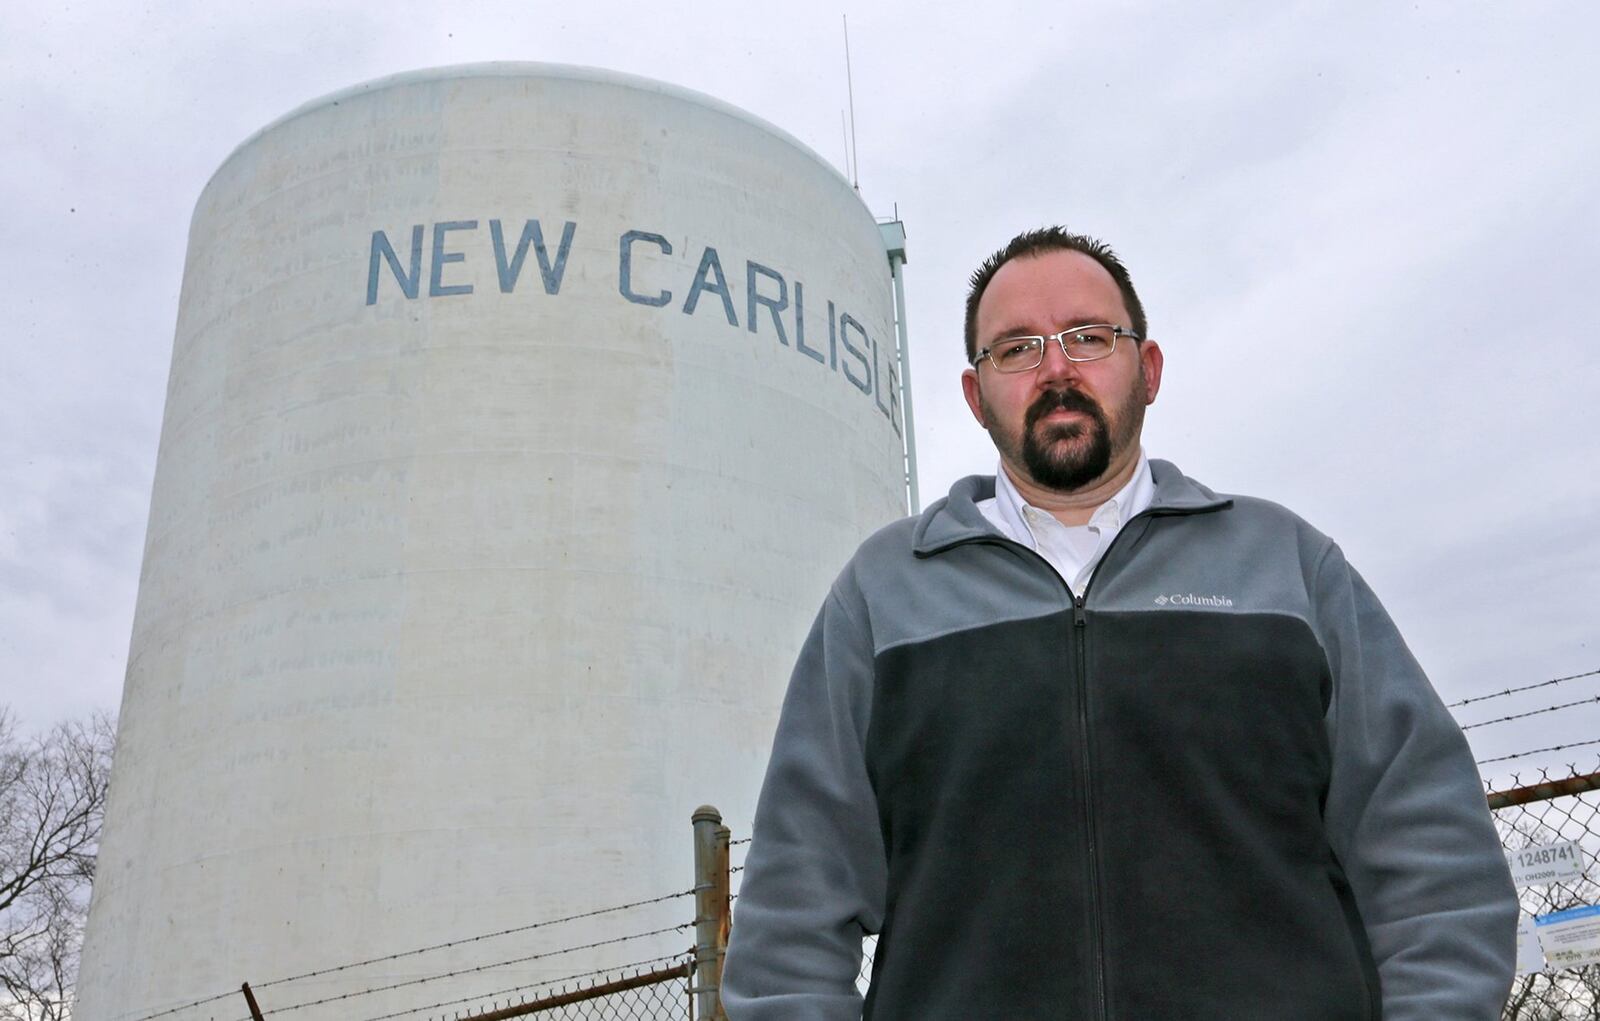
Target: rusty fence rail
x,y
663,994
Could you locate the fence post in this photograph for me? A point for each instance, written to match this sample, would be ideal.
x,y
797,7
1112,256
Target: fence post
x,y
711,918
722,875
250,1001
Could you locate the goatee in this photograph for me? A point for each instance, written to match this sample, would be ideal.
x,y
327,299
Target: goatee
x,y
1057,455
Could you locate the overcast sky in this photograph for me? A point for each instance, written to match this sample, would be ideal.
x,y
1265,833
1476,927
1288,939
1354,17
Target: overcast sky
x,y
1365,235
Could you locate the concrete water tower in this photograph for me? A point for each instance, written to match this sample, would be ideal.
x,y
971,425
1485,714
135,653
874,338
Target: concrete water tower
x,y
519,417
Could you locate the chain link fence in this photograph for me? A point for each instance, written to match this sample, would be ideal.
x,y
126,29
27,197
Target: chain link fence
x,y
1551,826
662,1000
658,1002
663,994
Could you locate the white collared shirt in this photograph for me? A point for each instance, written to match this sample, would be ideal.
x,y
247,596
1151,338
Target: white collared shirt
x,y
1073,550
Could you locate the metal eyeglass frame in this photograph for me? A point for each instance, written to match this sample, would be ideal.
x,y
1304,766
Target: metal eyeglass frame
x,y
1117,333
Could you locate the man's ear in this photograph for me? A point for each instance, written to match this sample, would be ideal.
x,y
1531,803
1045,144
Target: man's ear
x,y
969,390
1150,363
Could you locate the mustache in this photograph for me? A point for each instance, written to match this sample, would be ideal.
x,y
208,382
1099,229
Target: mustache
x,y
1063,399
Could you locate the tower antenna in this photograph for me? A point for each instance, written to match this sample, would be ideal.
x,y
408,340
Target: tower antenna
x,y
850,89
844,130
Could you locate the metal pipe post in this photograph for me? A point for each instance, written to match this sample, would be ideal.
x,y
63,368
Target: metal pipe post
x,y
710,908
897,268
894,244
722,874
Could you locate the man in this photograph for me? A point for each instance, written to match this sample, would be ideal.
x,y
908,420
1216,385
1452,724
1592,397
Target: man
x,y
1087,740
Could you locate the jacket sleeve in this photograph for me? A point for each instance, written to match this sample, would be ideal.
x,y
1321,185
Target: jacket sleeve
x,y
1407,817
815,873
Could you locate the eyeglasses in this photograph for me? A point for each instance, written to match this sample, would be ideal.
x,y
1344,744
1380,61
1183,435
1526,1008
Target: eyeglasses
x,y
1080,344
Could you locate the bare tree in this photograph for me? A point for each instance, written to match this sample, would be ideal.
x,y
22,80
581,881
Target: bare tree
x,y
52,799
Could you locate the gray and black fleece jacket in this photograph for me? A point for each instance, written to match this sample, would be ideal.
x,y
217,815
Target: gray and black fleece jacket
x,y
1217,786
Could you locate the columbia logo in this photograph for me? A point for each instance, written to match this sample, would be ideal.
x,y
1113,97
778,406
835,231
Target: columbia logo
x,y
1190,599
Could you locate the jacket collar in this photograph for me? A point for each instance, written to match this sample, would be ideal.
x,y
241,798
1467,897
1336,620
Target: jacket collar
x,y
955,519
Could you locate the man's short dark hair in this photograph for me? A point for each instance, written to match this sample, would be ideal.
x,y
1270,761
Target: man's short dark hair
x,y
1051,239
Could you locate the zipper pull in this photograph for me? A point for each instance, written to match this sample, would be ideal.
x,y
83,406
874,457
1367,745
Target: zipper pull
x,y
1078,619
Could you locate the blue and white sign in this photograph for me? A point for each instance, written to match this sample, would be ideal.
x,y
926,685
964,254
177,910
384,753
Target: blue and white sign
x,y
1570,938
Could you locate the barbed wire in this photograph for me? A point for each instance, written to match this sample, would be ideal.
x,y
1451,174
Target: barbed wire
x,y
1537,751
191,1003
419,950
1525,687
468,971
1535,712
743,840
536,985
1516,781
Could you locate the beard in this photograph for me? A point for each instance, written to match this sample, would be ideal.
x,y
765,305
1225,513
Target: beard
x,y
1069,456
1066,456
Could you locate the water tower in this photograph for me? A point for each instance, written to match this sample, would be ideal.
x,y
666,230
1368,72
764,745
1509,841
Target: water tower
x,y
519,417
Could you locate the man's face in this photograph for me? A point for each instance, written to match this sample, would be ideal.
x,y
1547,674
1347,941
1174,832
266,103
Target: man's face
x,y
1065,425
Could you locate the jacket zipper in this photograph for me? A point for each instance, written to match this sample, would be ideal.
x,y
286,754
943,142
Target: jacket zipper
x,y
1080,625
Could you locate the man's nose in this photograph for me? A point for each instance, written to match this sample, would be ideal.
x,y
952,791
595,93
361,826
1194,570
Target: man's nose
x,y
1056,365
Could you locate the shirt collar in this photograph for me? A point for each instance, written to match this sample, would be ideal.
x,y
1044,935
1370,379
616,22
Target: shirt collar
x,y
957,518
1133,498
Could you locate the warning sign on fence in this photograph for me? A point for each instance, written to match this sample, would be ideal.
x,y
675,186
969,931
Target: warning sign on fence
x,y
1546,863
1570,938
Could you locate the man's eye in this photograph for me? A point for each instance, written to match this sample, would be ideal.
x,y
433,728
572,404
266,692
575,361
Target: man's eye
x,y
1016,350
